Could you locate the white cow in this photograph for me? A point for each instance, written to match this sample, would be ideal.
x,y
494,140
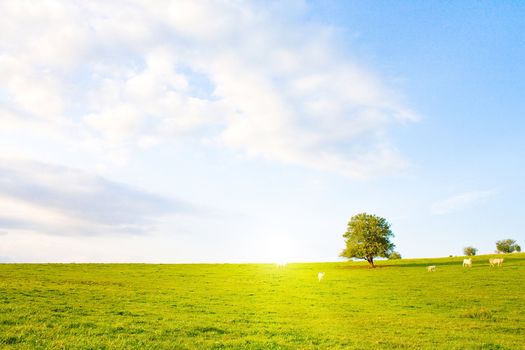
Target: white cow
x,y
495,262
320,276
431,268
467,262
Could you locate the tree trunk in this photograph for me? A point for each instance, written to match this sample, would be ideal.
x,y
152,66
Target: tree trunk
x,y
371,262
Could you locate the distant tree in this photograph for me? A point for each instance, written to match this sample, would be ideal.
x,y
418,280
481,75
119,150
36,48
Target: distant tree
x,y
367,237
470,251
507,246
394,256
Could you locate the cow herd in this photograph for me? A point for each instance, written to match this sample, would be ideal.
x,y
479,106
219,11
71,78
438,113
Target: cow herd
x,y
496,262
468,263
432,268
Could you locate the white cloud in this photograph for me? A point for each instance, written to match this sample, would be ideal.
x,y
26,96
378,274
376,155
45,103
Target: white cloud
x,y
63,201
116,76
461,201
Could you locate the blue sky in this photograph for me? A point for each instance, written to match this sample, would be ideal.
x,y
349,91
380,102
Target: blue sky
x,y
210,131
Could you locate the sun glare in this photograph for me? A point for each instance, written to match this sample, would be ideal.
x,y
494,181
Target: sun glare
x,y
278,250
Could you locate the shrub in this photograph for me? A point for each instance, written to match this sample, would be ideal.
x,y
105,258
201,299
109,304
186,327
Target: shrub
x,y
470,251
394,256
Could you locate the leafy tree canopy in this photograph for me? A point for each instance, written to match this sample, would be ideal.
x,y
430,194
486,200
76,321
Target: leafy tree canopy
x,y
368,236
507,246
470,251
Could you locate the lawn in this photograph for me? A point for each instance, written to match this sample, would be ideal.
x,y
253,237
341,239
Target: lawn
x,y
398,305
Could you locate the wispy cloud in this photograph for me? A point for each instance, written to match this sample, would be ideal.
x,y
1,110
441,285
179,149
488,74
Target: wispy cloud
x,y
461,201
62,201
118,76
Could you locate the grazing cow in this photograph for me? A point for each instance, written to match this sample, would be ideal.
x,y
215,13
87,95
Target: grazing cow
x,y
431,268
320,276
467,262
495,262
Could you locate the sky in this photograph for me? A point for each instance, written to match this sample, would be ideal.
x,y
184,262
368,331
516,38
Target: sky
x,y
252,131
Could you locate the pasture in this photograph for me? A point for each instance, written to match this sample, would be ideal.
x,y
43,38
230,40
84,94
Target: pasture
x,y
398,305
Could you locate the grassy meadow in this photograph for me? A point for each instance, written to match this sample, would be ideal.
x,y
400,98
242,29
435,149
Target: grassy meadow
x,y
398,305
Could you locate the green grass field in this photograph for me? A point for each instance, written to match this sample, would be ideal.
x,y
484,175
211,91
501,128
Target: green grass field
x,y
398,305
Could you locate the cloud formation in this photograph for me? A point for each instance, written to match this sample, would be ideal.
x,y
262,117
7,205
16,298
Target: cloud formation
x,y
119,76
460,201
56,200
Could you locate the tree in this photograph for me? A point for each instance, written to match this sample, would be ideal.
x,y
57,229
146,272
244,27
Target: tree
x,y
394,256
470,251
367,237
507,246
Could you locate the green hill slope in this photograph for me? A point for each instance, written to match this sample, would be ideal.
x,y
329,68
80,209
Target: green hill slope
x,y
398,305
